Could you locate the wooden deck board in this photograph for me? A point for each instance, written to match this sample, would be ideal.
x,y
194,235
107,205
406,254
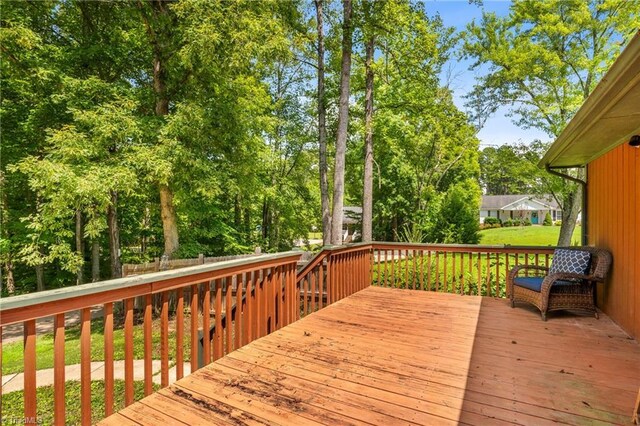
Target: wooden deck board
x,y
387,356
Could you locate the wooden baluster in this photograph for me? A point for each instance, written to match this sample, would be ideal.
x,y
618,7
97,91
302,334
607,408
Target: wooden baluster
x,y
29,386
218,344
329,278
526,263
228,329
58,370
321,280
498,255
296,289
429,270
308,282
128,352
108,359
546,260
488,273
263,311
537,259
437,277
413,253
470,272
421,269
85,366
313,286
193,310
164,340
272,300
279,297
406,269
180,334
479,266
246,312
379,269
393,264
506,270
386,269
237,318
206,322
148,349
445,267
461,277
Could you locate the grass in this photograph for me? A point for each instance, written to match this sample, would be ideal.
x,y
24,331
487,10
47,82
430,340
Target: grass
x,y
525,236
12,353
13,402
315,235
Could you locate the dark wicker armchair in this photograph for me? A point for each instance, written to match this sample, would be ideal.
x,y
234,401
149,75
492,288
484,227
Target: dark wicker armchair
x,y
570,292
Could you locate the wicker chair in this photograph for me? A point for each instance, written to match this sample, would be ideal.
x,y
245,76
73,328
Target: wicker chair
x,y
579,296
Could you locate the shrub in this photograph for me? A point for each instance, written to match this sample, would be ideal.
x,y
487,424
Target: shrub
x,y
492,221
525,222
558,223
547,220
508,223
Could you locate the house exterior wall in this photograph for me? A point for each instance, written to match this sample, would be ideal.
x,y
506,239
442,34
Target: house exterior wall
x,y
614,224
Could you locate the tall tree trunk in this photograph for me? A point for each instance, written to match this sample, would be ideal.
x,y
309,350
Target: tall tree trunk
x,y
114,236
158,40
322,132
343,122
95,260
11,283
570,209
40,278
367,187
79,246
169,221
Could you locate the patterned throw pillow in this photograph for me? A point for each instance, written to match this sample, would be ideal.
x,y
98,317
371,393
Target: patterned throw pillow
x,y
571,261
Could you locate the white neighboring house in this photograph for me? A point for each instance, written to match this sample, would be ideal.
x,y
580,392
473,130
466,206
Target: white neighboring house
x,y
351,222
520,206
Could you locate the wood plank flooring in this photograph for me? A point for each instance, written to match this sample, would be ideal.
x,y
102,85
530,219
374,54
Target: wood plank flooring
x,y
387,356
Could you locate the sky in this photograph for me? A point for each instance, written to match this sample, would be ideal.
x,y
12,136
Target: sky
x,y
499,129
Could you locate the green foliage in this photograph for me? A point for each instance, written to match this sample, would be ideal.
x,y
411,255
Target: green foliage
x,y
458,221
547,220
13,402
492,221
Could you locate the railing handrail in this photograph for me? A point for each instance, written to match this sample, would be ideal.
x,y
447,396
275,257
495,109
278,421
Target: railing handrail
x,y
323,253
476,247
198,272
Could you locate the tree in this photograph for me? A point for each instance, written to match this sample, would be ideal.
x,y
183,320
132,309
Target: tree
x,y
343,122
509,170
367,186
544,60
322,129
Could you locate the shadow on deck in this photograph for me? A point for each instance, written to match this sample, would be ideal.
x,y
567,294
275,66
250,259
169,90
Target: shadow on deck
x,y
387,356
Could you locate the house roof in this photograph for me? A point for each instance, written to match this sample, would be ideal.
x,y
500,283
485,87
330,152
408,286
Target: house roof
x,y
351,215
608,118
514,201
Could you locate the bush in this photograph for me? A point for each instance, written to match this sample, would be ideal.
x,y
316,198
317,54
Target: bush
x,y
547,220
525,222
558,223
492,221
508,223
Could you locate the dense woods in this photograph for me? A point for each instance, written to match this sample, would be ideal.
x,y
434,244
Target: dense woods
x,y
137,129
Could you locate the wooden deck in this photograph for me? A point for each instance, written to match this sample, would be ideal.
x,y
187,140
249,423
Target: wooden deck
x,y
386,356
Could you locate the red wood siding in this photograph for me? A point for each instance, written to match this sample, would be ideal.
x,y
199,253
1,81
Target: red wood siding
x,y
614,224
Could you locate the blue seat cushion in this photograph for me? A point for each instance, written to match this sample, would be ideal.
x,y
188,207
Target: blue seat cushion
x,y
535,283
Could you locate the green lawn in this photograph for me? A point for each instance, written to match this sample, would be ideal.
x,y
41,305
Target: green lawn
x,y
12,353
525,236
13,403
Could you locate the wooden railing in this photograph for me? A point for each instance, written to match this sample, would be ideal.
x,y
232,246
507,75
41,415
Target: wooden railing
x,y
226,305
333,274
452,268
260,295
